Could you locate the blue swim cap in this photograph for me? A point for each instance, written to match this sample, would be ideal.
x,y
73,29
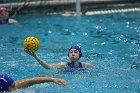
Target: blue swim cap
x,y
5,82
77,47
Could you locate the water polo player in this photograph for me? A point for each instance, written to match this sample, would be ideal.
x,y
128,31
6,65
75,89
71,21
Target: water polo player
x,y
8,84
74,55
4,17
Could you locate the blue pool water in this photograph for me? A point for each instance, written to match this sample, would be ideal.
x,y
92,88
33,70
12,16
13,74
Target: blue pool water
x,y
111,42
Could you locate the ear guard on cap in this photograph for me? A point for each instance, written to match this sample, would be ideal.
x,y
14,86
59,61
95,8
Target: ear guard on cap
x,y
77,48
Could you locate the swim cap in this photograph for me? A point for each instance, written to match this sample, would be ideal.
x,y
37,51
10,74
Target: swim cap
x,y
5,82
3,10
77,47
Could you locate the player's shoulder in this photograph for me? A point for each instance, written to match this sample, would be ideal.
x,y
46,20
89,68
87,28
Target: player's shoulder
x,y
86,64
62,63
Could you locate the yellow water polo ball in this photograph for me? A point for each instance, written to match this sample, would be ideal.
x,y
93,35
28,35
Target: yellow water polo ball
x,y
31,44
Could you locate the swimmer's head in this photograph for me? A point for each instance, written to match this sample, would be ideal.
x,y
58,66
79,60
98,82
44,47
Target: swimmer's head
x,y
77,47
4,15
5,82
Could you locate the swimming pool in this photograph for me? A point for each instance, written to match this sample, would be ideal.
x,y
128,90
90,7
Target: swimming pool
x,y
111,42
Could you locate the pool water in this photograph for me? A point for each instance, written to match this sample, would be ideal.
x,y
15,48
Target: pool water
x,y
111,42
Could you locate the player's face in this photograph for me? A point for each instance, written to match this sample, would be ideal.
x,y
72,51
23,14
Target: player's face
x,y
4,15
74,55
